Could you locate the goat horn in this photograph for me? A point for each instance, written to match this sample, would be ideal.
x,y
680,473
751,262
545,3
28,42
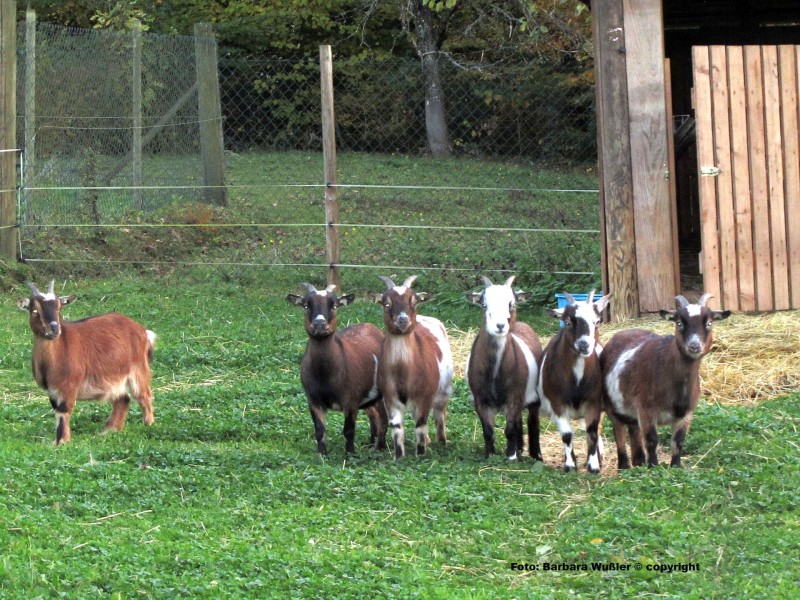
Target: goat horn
x,y
681,302
51,288
409,280
389,283
705,298
569,298
510,280
590,298
486,281
311,289
34,290
330,288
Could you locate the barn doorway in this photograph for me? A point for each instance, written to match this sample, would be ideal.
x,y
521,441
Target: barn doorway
x,y
717,23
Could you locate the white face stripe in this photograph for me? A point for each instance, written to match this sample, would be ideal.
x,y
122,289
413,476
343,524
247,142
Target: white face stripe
x,y
694,310
585,312
497,300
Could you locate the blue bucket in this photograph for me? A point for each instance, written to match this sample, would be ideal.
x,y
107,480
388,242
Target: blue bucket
x,y
561,299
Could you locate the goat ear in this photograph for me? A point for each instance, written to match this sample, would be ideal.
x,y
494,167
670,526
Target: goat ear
x,y
345,300
668,315
523,296
601,304
556,313
24,303
295,299
68,299
376,297
719,315
424,296
475,297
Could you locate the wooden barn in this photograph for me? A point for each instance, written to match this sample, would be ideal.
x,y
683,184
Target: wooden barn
x,y
698,128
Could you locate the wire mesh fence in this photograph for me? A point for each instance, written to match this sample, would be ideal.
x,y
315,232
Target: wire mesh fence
x,y
533,122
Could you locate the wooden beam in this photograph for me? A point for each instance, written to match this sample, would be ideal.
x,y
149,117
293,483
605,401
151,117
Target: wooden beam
x,y
614,150
657,269
329,158
8,129
211,144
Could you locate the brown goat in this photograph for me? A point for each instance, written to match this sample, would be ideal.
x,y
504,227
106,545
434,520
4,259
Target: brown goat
x,y
339,370
503,366
651,380
416,368
106,357
570,381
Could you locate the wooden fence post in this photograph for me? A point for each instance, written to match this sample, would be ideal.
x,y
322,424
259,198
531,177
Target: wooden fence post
x,y
136,88
30,103
8,129
329,157
208,100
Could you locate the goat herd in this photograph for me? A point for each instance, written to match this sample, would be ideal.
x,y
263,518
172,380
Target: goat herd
x,y
639,379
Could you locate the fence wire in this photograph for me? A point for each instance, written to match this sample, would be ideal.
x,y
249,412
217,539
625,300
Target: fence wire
x,y
78,174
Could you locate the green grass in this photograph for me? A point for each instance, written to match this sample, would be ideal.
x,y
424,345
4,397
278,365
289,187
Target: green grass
x,y
224,497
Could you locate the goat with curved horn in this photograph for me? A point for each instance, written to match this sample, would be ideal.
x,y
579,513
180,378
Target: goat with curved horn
x,y
339,369
416,371
106,357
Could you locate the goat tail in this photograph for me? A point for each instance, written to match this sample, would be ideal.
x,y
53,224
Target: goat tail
x,y
151,344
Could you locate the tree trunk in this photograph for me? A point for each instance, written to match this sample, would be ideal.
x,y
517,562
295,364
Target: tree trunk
x,y
435,114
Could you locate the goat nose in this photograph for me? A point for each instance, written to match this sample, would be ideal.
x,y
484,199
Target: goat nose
x,y
500,327
583,346
402,319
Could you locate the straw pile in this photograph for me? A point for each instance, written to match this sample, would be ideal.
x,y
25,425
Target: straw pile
x,y
753,358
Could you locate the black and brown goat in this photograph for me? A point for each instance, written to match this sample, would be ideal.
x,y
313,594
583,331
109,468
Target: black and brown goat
x,y
570,381
106,357
339,370
502,368
416,365
651,380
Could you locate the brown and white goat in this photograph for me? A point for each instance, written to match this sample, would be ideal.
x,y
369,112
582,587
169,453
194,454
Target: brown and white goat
x,y
339,370
651,380
416,369
106,357
570,381
502,368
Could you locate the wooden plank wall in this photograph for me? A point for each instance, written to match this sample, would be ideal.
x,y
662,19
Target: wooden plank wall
x,y
746,106
653,207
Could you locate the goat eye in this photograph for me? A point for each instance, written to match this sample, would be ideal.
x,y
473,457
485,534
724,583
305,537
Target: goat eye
x,y
34,312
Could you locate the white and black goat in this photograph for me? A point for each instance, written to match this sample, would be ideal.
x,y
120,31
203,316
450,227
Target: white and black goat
x,y
339,370
502,368
416,370
651,380
106,357
570,380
